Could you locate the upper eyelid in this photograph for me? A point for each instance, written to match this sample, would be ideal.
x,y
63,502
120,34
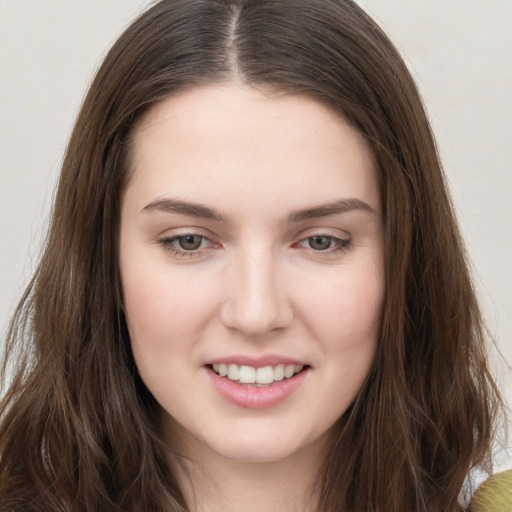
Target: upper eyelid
x,y
338,240
173,238
325,235
184,231
210,236
175,233
327,232
168,243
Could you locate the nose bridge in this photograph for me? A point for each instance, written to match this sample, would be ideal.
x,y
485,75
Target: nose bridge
x,y
256,304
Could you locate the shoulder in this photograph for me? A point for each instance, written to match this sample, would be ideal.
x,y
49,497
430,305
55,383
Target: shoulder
x,y
494,494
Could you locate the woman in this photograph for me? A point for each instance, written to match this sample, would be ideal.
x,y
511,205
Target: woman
x,y
254,294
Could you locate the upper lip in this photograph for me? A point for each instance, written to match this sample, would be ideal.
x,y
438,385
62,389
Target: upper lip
x,y
256,362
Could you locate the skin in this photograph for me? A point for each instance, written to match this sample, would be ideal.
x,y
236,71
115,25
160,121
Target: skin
x,y
257,285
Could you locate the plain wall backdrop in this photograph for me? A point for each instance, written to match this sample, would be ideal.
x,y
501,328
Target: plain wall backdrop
x,y
460,52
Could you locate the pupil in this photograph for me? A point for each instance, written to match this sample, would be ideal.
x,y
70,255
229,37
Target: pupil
x,y
319,243
190,242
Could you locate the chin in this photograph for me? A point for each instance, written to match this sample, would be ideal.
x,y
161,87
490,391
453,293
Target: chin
x,y
256,453
266,447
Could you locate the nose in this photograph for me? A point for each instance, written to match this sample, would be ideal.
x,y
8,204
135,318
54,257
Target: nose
x,y
256,302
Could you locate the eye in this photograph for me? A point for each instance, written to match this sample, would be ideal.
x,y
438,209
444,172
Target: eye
x,y
320,242
188,244
324,243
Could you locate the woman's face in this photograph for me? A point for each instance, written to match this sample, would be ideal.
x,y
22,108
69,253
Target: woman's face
x,y
251,243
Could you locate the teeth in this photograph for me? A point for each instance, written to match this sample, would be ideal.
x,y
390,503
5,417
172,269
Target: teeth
x,y
265,375
249,375
279,372
233,372
289,371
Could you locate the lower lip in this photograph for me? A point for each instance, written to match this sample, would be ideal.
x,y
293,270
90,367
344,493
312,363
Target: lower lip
x,y
251,397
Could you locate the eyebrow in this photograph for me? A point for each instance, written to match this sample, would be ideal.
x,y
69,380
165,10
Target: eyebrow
x,y
334,208
171,205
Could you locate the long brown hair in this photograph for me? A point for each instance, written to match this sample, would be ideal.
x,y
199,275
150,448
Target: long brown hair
x,y
79,429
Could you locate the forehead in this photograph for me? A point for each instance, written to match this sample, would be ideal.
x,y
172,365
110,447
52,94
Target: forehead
x,y
234,142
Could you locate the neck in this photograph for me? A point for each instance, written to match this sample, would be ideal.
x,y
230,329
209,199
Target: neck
x,y
229,486
213,483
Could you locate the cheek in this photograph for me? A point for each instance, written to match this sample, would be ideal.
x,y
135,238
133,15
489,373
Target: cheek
x,y
165,311
348,307
345,316
352,350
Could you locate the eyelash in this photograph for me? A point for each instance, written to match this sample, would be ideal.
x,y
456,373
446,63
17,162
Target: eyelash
x,y
168,244
336,244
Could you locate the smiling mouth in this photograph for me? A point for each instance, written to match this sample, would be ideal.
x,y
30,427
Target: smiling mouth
x,y
257,377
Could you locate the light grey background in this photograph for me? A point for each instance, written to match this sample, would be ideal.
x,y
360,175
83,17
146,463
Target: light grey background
x,y
460,52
